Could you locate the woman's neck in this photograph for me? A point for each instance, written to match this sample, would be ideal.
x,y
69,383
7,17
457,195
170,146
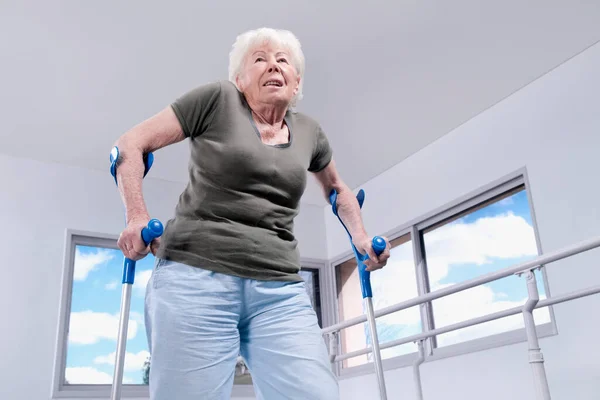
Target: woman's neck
x,y
268,114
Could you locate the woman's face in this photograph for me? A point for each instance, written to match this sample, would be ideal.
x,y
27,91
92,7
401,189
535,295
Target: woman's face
x,y
268,75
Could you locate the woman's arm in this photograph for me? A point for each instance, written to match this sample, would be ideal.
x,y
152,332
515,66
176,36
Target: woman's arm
x,y
349,213
158,131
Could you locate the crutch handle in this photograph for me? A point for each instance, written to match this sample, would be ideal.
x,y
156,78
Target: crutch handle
x,y
378,245
153,230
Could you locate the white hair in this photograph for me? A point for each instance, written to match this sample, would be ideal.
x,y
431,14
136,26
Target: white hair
x,y
247,40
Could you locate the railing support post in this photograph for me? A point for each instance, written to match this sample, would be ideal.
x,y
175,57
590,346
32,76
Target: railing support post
x,y
417,371
333,347
536,358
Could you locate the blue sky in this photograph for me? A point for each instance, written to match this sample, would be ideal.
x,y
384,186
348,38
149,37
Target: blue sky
x,y
95,308
489,239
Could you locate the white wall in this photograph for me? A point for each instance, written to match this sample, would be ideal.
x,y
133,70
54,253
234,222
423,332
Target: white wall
x,y
38,202
551,127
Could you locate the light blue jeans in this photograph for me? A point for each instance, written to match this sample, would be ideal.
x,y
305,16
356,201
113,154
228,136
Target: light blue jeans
x,y
198,321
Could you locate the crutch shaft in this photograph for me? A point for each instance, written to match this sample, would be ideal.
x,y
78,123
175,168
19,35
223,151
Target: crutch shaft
x,y
121,342
375,346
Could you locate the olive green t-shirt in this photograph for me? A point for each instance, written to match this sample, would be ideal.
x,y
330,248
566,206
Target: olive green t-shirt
x,y
236,214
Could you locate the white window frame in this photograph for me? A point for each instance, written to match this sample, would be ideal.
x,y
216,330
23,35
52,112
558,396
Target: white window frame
x,y
73,238
414,227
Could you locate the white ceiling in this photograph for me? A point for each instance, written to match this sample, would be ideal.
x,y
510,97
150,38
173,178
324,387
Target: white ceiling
x,y
384,78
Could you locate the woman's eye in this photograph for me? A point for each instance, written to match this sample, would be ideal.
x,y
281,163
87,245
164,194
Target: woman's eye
x,y
259,59
283,60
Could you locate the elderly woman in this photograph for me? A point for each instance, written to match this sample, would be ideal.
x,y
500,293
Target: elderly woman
x,y
226,276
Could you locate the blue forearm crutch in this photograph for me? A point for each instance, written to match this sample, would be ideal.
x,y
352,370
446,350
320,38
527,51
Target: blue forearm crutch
x,y
365,284
149,233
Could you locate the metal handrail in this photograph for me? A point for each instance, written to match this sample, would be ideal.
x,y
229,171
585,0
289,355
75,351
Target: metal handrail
x,y
459,287
533,302
471,322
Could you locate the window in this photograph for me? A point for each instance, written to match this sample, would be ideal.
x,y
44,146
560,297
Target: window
x,y
90,320
394,283
485,232
493,235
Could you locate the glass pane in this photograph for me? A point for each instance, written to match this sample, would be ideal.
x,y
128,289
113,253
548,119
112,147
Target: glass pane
x,y
394,283
492,236
94,320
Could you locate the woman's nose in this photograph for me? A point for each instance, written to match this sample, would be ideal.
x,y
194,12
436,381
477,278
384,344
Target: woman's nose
x,y
273,67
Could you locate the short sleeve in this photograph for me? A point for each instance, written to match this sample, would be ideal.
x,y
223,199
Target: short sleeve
x,y
195,109
322,152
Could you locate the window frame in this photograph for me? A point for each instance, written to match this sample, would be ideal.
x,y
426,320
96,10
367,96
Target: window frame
x,y
75,237
415,228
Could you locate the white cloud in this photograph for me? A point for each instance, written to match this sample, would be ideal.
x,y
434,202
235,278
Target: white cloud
x,y
86,263
139,320
88,327
506,201
133,361
141,280
111,285
480,242
470,303
89,376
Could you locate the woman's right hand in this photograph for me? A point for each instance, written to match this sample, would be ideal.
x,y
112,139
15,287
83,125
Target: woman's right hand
x,y
130,240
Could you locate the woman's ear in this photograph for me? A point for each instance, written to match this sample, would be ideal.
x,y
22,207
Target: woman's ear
x,y
297,85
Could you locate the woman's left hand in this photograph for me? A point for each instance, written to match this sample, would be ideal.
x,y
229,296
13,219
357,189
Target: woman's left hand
x,y
374,262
